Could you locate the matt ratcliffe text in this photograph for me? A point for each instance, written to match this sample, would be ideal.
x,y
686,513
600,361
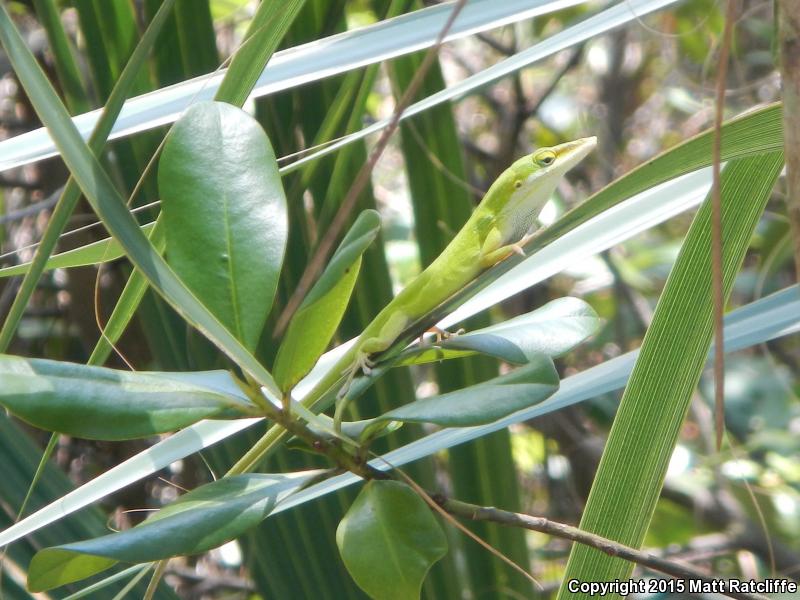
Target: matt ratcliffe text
x,y
692,586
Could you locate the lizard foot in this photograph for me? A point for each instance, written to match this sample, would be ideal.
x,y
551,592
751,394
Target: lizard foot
x,y
518,247
442,334
362,363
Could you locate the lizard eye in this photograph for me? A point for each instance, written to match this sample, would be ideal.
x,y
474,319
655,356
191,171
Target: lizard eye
x,y
545,158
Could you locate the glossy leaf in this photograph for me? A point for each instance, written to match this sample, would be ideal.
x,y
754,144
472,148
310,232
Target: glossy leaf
x,y
389,540
318,317
106,201
760,321
91,254
552,330
224,214
203,519
486,402
267,38
106,404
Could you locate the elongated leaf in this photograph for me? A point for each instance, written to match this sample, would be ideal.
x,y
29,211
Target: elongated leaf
x,y
302,64
264,33
672,356
110,207
266,30
91,254
198,521
64,61
71,193
484,402
106,404
318,316
389,539
552,330
224,214
763,320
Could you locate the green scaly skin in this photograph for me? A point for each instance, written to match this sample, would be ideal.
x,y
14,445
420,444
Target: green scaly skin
x,y
497,228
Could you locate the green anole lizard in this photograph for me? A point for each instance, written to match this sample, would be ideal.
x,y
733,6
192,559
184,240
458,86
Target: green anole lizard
x,y
499,226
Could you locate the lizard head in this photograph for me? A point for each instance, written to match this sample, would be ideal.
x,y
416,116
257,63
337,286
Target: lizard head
x,y
519,194
544,168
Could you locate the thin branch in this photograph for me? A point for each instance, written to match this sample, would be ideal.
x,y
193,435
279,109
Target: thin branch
x,y
31,209
496,45
560,530
323,250
433,502
789,35
573,62
718,292
358,466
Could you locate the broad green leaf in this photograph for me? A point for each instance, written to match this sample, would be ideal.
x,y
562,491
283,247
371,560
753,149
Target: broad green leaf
x,y
389,540
106,201
485,402
91,254
552,330
224,214
205,518
106,404
671,359
316,320
267,38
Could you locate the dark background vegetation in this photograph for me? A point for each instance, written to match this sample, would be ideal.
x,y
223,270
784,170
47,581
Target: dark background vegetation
x,y
640,89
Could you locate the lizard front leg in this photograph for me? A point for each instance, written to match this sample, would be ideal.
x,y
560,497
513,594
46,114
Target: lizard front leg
x,y
492,252
391,330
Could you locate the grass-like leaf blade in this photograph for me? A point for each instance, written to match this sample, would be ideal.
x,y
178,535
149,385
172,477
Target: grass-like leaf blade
x,y
110,206
672,356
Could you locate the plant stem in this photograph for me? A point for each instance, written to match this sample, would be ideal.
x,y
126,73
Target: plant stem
x,y
568,532
789,36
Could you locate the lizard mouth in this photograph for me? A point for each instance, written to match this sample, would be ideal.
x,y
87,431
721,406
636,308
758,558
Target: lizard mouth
x,y
571,153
